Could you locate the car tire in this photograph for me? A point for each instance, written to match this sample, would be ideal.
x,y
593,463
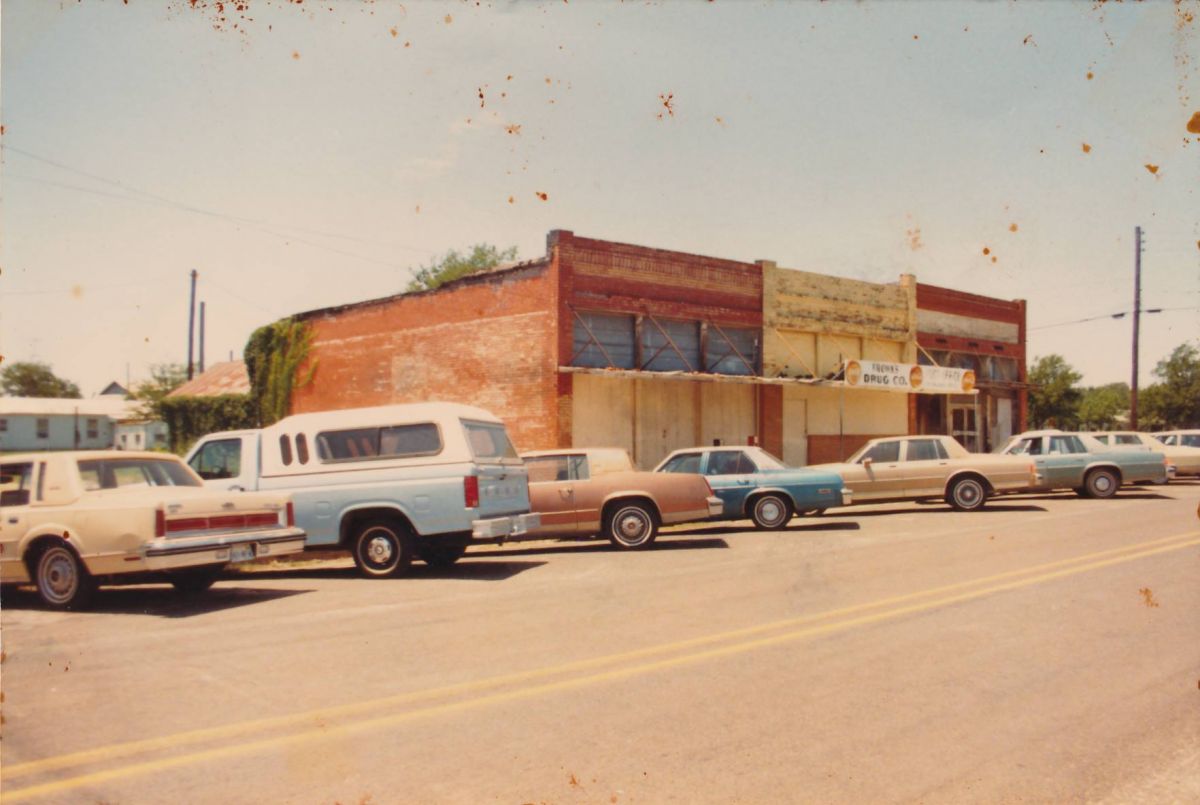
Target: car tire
x,y
631,526
770,512
1101,483
966,494
61,578
195,580
441,555
382,548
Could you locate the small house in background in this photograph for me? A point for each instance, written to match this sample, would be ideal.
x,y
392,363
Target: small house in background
x,y
115,389
227,377
138,433
42,423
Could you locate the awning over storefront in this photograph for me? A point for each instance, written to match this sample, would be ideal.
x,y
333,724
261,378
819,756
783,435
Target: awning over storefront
x,y
933,380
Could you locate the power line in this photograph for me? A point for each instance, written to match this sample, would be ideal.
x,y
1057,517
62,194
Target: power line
x,y
259,225
1122,314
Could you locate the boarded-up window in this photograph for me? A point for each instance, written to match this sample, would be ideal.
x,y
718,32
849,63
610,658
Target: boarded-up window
x,y
669,346
603,341
731,351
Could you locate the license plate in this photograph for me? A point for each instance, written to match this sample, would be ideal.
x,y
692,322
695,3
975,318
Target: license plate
x,y
241,553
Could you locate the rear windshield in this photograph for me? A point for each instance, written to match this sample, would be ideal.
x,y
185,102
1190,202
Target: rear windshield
x,y
117,473
394,441
489,441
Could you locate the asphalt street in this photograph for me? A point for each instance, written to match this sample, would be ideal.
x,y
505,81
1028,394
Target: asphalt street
x,y
1046,648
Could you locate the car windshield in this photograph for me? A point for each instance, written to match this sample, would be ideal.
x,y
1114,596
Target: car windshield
x,y
119,473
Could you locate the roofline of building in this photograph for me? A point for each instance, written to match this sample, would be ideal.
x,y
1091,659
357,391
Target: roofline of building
x,y
470,279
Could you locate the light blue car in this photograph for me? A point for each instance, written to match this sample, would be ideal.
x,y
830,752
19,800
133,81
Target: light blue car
x,y
754,484
1077,461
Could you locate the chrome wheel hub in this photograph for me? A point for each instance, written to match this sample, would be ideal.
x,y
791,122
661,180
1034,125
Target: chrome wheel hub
x,y
379,550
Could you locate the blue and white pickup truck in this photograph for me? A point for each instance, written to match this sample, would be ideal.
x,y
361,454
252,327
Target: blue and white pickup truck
x,y
385,483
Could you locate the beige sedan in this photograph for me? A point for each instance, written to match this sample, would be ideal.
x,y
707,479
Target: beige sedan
x,y
922,467
1186,459
591,491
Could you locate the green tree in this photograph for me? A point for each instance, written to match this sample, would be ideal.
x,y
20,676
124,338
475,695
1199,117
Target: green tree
x,y
1100,406
164,378
34,379
454,265
1054,398
1173,402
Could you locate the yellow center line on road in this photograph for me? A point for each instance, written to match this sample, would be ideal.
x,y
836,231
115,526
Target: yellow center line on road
x,y
317,730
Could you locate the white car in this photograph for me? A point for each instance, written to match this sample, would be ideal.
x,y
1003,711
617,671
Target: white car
x,y
1186,460
1179,438
77,519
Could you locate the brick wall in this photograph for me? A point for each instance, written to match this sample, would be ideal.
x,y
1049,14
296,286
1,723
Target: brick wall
x,y
488,341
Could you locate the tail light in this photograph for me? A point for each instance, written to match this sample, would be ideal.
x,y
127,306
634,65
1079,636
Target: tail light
x,y
471,491
160,523
291,514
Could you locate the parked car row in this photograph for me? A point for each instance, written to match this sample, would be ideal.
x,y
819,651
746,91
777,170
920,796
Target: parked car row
x,y
395,483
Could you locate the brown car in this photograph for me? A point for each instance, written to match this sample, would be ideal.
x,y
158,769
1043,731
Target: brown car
x,y
589,491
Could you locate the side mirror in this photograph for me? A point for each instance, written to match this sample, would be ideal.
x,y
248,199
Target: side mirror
x,y
866,462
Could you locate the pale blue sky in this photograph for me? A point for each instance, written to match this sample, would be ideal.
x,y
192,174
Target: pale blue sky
x,y
309,156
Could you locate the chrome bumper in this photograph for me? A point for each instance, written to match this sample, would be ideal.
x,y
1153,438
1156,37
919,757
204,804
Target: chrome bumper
x,y
847,496
166,554
498,527
716,506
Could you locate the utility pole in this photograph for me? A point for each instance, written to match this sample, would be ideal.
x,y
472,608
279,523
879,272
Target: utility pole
x,y
1137,320
202,338
191,325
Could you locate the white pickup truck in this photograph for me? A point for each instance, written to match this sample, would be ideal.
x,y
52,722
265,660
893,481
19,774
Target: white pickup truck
x,y
386,483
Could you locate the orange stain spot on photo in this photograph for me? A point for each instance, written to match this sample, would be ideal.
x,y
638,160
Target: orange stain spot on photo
x,y
541,195
1087,149
513,128
1148,597
512,200
77,291
1012,227
1193,125
393,32
986,251
295,54
668,103
1152,168
449,18
1091,75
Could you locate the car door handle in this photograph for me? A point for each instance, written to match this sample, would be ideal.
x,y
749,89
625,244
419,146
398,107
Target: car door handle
x,y
237,488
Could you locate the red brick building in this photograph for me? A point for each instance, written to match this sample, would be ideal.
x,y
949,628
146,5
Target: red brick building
x,y
986,335
603,343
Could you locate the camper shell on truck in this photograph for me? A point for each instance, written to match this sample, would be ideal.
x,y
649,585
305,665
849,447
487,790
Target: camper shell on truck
x,y
388,483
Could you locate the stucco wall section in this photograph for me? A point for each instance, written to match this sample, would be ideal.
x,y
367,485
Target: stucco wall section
x,y
812,322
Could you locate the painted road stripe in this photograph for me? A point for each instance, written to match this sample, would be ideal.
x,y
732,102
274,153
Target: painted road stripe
x,y
318,728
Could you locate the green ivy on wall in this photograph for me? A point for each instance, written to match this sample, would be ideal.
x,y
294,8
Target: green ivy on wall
x,y
274,355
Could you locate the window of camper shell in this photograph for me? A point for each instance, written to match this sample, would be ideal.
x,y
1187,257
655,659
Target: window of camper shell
x,y
393,441
489,442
